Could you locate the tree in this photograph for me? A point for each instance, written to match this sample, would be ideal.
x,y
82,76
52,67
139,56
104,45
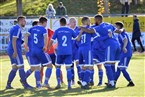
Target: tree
x,y
1,1
19,7
106,7
103,6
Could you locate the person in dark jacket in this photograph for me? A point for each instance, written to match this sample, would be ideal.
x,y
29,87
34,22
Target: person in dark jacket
x,y
61,10
136,33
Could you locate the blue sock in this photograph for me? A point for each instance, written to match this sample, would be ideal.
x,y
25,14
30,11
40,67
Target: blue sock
x,y
126,75
92,75
78,71
107,74
82,72
100,73
12,75
22,75
69,77
117,74
28,73
86,76
113,69
47,75
72,71
58,75
37,77
109,71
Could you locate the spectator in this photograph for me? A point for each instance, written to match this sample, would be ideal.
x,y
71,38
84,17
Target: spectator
x,y
125,6
61,10
50,11
135,2
136,33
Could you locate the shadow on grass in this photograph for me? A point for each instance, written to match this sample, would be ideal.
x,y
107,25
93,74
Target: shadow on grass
x,y
137,57
60,92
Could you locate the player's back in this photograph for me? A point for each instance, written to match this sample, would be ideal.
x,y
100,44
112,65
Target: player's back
x,y
37,36
15,31
104,29
64,37
121,37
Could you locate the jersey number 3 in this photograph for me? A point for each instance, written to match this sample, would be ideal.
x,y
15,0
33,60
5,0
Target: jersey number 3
x,y
64,38
35,39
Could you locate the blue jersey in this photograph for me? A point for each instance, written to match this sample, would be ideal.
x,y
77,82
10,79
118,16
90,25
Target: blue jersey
x,y
37,37
98,41
121,37
15,31
103,29
86,39
93,26
74,42
64,37
29,40
76,30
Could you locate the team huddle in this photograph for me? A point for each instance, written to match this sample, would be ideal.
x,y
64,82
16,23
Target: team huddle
x,y
85,46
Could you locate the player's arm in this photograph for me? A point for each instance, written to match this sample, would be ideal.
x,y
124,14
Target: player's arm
x,y
45,42
14,39
79,36
88,30
52,40
125,41
26,41
50,44
16,34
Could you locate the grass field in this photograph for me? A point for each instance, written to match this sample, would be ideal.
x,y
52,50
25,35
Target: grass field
x,y
136,70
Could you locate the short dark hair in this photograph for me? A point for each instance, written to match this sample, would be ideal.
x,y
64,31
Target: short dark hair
x,y
98,16
20,17
34,23
15,22
62,21
42,19
120,24
85,18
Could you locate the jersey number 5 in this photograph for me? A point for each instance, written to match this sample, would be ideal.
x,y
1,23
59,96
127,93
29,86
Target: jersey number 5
x,y
64,38
35,39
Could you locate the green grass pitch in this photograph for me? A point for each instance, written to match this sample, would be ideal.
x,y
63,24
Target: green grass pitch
x,y
136,70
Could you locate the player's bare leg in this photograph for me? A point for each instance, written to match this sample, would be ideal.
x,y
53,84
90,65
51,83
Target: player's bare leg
x,y
41,74
61,77
78,70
